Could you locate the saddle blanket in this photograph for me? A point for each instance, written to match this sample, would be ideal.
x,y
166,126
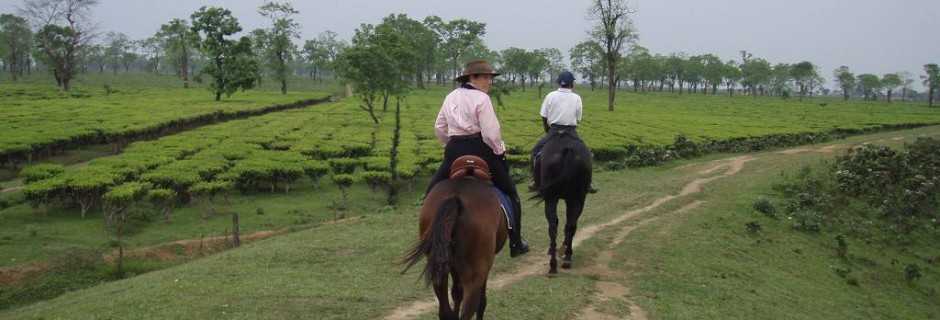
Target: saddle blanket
x,y
505,203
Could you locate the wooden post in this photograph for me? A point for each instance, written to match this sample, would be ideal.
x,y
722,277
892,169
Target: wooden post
x,y
235,234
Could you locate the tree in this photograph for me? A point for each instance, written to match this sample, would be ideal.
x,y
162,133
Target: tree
x,y
780,80
280,46
538,64
231,65
16,40
117,46
755,73
732,74
179,42
846,81
803,73
714,71
693,72
420,39
907,80
675,68
456,36
931,81
869,85
95,57
891,82
382,60
613,31
314,55
117,204
153,52
320,53
587,59
515,64
644,68
64,30
368,68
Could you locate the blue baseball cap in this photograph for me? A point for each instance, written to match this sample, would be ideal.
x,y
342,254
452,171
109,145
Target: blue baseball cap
x,y
565,78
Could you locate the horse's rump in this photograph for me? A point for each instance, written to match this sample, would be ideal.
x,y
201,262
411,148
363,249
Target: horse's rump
x,y
566,166
460,222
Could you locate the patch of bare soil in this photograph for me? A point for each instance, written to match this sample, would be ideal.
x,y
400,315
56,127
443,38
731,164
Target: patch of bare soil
x,y
608,287
12,275
176,250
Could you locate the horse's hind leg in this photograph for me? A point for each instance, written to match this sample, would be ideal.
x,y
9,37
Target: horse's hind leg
x,y
482,308
456,292
551,214
473,298
573,212
444,311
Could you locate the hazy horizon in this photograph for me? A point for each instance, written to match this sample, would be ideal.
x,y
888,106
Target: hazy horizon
x,y
868,36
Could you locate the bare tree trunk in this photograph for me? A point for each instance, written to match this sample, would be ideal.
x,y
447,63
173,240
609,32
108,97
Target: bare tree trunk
x,y
236,236
930,98
611,85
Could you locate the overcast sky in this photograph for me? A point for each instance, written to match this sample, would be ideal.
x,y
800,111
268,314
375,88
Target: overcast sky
x,y
867,35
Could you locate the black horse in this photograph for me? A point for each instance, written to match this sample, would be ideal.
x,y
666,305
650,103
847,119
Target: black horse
x,y
564,173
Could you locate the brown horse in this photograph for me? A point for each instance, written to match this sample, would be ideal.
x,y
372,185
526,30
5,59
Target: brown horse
x,y
460,232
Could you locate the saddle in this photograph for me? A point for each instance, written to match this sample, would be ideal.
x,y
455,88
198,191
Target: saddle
x,y
476,167
470,166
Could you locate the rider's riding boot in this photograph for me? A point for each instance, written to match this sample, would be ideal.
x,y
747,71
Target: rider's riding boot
x,y
517,246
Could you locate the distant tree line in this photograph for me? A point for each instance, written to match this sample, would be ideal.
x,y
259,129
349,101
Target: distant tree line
x,y
57,35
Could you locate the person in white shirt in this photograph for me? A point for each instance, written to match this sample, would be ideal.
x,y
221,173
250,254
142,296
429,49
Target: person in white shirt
x,y
561,110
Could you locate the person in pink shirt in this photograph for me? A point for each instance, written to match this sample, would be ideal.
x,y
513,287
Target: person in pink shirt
x,y
467,125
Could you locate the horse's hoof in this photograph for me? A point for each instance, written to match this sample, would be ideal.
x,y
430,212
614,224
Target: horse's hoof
x,y
552,271
566,264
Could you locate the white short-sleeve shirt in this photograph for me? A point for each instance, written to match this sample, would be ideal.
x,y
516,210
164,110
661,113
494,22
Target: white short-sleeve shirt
x,y
562,107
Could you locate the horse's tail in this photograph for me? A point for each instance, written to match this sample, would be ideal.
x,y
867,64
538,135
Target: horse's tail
x,y
437,245
566,169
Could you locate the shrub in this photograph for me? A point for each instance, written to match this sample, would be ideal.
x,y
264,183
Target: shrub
x,y
164,199
764,206
842,247
753,227
344,165
40,172
315,170
376,179
912,272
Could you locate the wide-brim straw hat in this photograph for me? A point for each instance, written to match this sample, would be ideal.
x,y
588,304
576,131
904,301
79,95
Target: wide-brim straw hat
x,y
476,67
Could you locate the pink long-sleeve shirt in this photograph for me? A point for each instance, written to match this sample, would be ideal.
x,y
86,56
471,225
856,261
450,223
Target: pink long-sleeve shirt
x,y
466,112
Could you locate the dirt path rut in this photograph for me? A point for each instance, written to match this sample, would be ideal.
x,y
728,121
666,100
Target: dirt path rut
x,y
535,264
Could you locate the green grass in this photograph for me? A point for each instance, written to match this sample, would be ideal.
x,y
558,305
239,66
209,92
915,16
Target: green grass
x,y
297,135
36,115
705,264
699,264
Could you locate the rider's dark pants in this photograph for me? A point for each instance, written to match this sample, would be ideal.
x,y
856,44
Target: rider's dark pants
x,y
499,170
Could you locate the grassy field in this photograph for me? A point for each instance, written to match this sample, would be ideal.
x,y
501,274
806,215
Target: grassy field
x,y
691,264
36,115
265,156
275,149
